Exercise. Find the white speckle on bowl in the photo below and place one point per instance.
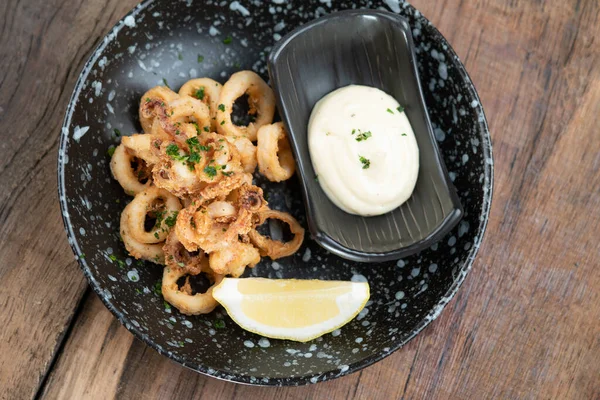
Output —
(193, 73)
(276, 37)
(78, 132)
(133, 275)
(97, 88)
(399, 295)
(308, 355)
(306, 256)
(432, 268)
(452, 241)
(129, 21)
(415, 271)
(358, 278)
(336, 332)
(111, 95)
(400, 263)
(212, 31)
(248, 343)
(264, 343)
(131, 49)
(443, 70)
(236, 6)
(394, 5)
(279, 26)
(82, 231)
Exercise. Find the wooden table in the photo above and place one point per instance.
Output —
(525, 324)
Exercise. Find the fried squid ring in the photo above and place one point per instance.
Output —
(144, 146)
(260, 99)
(157, 203)
(189, 110)
(275, 159)
(139, 250)
(176, 256)
(207, 91)
(247, 152)
(131, 172)
(153, 103)
(275, 248)
(234, 259)
(186, 302)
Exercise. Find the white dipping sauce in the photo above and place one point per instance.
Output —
(363, 150)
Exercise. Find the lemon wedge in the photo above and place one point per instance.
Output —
(299, 310)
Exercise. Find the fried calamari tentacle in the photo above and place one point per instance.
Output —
(139, 250)
(155, 203)
(215, 225)
(275, 248)
(132, 173)
(207, 91)
(176, 256)
(186, 302)
(153, 103)
(260, 98)
(234, 259)
(275, 159)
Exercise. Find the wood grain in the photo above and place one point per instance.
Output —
(525, 324)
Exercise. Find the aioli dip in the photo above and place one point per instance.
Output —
(363, 150)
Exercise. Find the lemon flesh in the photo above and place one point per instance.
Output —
(292, 309)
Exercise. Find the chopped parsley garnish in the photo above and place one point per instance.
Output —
(354, 131)
(228, 40)
(197, 128)
(404, 134)
(181, 264)
(206, 129)
(199, 94)
(200, 58)
(237, 65)
(148, 100)
(365, 162)
(173, 152)
(222, 122)
(400, 109)
(138, 291)
(157, 288)
(327, 133)
(156, 235)
(219, 324)
(180, 343)
(112, 257)
(227, 173)
(390, 111)
(172, 219)
(221, 107)
(363, 136)
(166, 83)
(82, 256)
(111, 151)
(167, 305)
(180, 56)
(117, 132)
(211, 171)
(316, 178)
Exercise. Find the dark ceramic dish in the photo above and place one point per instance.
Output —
(166, 40)
(372, 48)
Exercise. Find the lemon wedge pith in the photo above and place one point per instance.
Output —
(292, 309)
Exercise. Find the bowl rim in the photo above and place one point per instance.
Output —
(453, 216)
(244, 378)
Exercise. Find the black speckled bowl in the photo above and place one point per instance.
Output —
(165, 41)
